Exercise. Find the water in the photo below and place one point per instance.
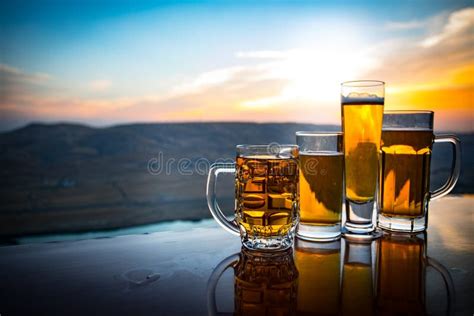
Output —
(135, 230)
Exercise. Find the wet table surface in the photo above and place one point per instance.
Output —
(203, 271)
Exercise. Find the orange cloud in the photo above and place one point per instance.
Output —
(453, 106)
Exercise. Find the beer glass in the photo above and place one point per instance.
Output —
(266, 195)
(265, 283)
(319, 283)
(362, 105)
(407, 141)
(321, 184)
(358, 275)
(402, 270)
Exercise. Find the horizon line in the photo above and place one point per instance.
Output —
(119, 124)
(104, 126)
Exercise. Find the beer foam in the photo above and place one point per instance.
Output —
(266, 157)
(407, 129)
(361, 98)
(320, 153)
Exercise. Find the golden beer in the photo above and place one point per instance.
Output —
(321, 177)
(266, 284)
(319, 282)
(362, 105)
(404, 182)
(362, 126)
(405, 172)
(266, 195)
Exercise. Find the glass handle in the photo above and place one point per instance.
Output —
(217, 168)
(448, 282)
(455, 166)
(228, 262)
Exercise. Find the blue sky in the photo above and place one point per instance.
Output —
(130, 52)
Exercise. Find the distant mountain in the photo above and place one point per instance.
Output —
(66, 177)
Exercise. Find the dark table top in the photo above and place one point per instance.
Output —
(179, 273)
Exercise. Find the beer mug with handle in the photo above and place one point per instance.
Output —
(266, 195)
(407, 141)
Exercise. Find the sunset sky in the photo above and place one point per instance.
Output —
(108, 62)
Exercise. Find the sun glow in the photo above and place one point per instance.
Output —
(312, 73)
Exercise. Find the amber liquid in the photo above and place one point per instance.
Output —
(405, 172)
(401, 279)
(267, 195)
(362, 127)
(321, 177)
(266, 285)
(319, 281)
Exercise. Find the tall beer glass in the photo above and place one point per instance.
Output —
(362, 105)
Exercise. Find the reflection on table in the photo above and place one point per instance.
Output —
(357, 278)
(319, 288)
(349, 277)
(264, 283)
(401, 281)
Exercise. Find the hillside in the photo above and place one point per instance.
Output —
(66, 177)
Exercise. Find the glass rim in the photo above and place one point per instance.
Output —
(408, 120)
(317, 133)
(250, 146)
(363, 83)
(390, 112)
(271, 150)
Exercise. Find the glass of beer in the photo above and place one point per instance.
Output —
(266, 195)
(402, 275)
(362, 105)
(264, 283)
(407, 141)
(321, 184)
